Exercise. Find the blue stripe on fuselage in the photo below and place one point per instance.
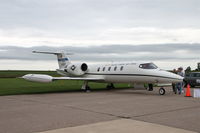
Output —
(63, 59)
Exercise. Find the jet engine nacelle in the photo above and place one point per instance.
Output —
(38, 78)
(77, 69)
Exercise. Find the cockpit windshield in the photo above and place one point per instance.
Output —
(148, 66)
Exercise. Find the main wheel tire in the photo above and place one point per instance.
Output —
(87, 89)
(110, 86)
(162, 91)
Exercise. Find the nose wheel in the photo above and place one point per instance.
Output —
(162, 91)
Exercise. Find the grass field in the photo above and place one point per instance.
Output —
(16, 86)
(17, 73)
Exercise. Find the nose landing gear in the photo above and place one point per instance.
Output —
(162, 91)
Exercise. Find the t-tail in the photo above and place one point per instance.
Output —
(63, 60)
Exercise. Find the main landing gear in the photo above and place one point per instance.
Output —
(110, 86)
(85, 87)
(150, 87)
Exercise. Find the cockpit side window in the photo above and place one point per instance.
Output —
(148, 66)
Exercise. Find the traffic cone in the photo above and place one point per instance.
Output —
(188, 94)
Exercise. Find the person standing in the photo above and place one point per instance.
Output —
(180, 85)
(173, 84)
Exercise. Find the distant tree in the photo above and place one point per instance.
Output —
(198, 66)
(188, 69)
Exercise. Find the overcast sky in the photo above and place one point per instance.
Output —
(163, 31)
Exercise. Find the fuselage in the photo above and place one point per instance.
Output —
(130, 73)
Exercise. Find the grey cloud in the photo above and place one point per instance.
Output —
(87, 22)
(108, 52)
(70, 16)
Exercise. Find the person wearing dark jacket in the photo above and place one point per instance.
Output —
(173, 84)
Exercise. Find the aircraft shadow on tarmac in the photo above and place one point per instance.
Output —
(74, 91)
(134, 92)
(127, 91)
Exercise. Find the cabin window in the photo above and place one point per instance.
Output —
(98, 69)
(104, 69)
(115, 68)
(148, 66)
(109, 68)
(121, 68)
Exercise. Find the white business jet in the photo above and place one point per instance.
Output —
(131, 72)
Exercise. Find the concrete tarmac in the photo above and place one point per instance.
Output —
(44, 112)
(120, 126)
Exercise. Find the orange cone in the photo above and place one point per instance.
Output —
(188, 94)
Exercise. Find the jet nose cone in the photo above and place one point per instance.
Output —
(180, 78)
(177, 78)
(173, 78)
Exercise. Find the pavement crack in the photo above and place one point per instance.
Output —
(72, 107)
(174, 110)
(103, 113)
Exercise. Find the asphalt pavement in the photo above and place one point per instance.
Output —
(55, 111)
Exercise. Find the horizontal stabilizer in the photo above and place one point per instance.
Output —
(55, 53)
(63, 60)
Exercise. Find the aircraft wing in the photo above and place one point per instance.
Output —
(78, 78)
(47, 78)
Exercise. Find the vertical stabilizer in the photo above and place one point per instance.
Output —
(63, 60)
